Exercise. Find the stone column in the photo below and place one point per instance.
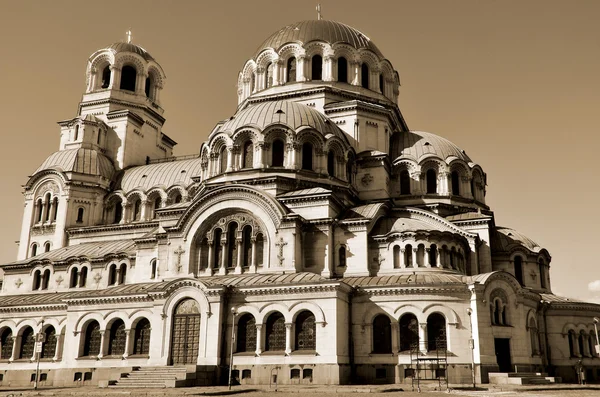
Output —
(259, 341)
(102, 344)
(413, 254)
(402, 261)
(16, 343)
(143, 210)
(438, 258)
(211, 259)
(114, 73)
(276, 73)
(328, 64)
(229, 151)
(300, 68)
(423, 337)
(354, 70)
(238, 265)
(127, 343)
(59, 345)
(426, 257)
(395, 337)
(223, 264)
(259, 151)
(288, 338)
(253, 262)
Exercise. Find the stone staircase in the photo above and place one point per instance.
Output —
(521, 378)
(152, 377)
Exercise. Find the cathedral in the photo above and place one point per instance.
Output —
(314, 238)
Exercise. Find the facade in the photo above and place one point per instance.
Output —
(334, 243)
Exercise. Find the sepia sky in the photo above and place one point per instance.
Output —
(516, 84)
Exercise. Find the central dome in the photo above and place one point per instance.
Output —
(329, 31)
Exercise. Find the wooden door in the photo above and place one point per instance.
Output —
(185, 333)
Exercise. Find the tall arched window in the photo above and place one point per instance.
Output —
(533, 337)
(49, 346)
(118, 212)
(581, 343)
(455, 183)
(247, 246)
(307, 156)
(519, 269)
(571, 339)
(396, 257)
(91, 342)
(342, 69)
(106, 76)
(73, 277)
(409, 332)
(277, 153)
(46, 279)
(436, 332)
(433, 253)
(137, 210)
(431, 181)
(317, 67)
(260, 247)
(246, 334)
(269, 75)
(149, 85)
(382, 334)
(306, 331)
(291, 70)
(76, 136)
(408, 255)
(34, 248)
(47, 247)
(116, 341)
(381, 84)
(27, 343)
(331, 163)
(542, 270)
(364, 75)
(248, 161)
(141, 339)
(39, 207)
(37, 280)
(404, 182)
(156, 206)
(217, 249)
(153, 269)
(6, 344)
(112, 274)
(122, 273)
(223, 160)
(232, 245)
(47, 202)
(79, 215)
(128, 77)
(83, 276)
(275, 333)
(54, 209)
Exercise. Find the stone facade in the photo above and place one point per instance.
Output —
(314, 234)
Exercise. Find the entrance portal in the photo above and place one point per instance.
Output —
(186, 333)
(503, 359)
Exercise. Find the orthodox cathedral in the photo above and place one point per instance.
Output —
(313, 238)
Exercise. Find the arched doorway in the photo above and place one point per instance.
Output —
(185, 333)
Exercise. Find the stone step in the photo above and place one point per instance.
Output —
(139, 385)
(148, 379)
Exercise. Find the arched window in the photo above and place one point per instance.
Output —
(381, 84)
(91, 342)
(533, 337)
(409, 332)
(46, 279)
(307, 156)
(260, 246)
(73, 277)
(218, 249)
(542, 270)
(47, 217)
(317, 67)
(519, 269)
(106, 76)
(404, 182)
(76, 136)
(128, 77)
(591, 347)
(37, 280)
(141, 339)
(350, 170)
(156, 206)
(252, 82)
(331, 163)
(122, 273)
(118, 212)
(571, 343)
(248, 161)
(291, 70)
(137, 210)
(247, 246)
(177, 199)
(455, 183)
(246, 334)
(342, 256)
(436, 332)
(342, 69)
(275, 333)
(149, 86)
(364, 75)
(6, 344)
(34, 248)
(223, 160)
(112, 274)
(396, 255)
(27, 343)
(83, 276)
(382, 334)
(277, 153)
(269, 76)
(306, 331)
(99, 137)
(232, 245)
(153, 269)
(497, 317)
(49, 346)
(47, 247)
(39, 207)
(408, 255)
(431, 182)
(116, 341)
(54, 209)
(433, 253)
(79, 215)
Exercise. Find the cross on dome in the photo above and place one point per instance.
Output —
(319, 16)
(128, 35)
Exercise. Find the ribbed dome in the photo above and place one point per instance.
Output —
(82, 161)
(165, 174)
(504, 239)
(328, 31)
(128, 47)
(292, 114)
(416, 144)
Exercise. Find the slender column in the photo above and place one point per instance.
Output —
(229, 151)
(355, 74)
(238, 266)
(44, 211)
(143, 210)
(395, 337)
(276, 73)
(211, 258)
(58, 349)
(51, 211)
(127, 343)
(328, 63)
(16, 343)
(260, 154)
(259, 341)
(438, 258)
(288, 338)
(253, 261)
(102, 344)
(413, 254)
(300, 68)
(402, 261)
(423, 337)
(114, 73)
(222, 269)
(426, 257)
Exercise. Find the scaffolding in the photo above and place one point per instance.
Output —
(425, 368)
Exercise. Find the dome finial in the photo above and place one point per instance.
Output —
(319, 16)
(128, 35)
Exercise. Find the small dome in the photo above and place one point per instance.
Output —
(292, 114)
(416, 144)
(505, 239)
(82, 161)
(165, 174)
(129, 47)
(328, 31)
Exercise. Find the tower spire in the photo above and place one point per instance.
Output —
(319, 16)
